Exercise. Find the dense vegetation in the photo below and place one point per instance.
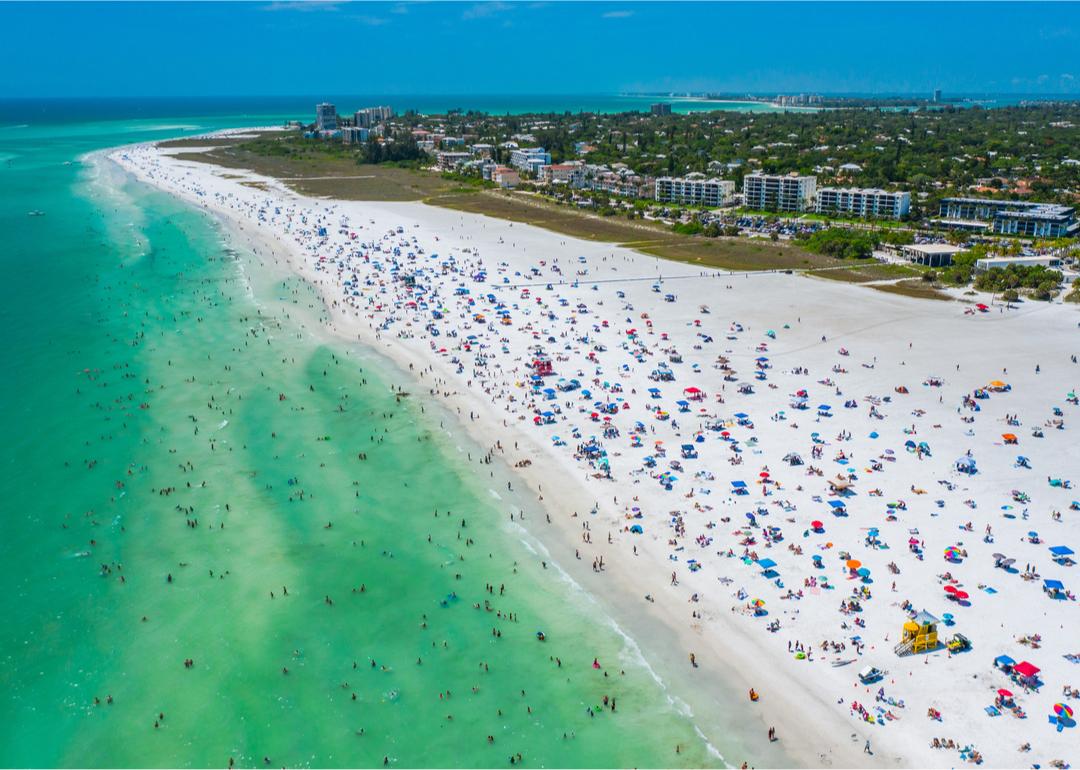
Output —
(1029, 152)
(1041, 281)
(401, 149)
(1006, 151)
(844, 243)
(839, 243)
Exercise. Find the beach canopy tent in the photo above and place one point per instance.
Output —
(838, 507)
(966, 464)
(1004, 662)
(1026, 670)
(1061, 550)
(840, 486)
(766, 564)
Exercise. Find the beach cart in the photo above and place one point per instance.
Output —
(959, 643)
(871, 674)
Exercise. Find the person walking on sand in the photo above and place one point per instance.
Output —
(866, 748)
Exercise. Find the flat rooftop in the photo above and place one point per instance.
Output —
(933, 248)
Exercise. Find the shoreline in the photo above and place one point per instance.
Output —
(623, 606)
(730, 650)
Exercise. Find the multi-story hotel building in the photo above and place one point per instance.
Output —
(774, 192)
(325, 117)
(694, 189)
(1025, 218)
(863, 202)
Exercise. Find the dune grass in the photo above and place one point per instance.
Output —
(916, 288)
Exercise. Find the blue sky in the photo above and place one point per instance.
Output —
(276, 48)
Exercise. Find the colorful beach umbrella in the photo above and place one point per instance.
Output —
(1063, 710)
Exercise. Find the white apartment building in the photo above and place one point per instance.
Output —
(622, 181)
(325, 117)
(372, 116)
(447, 161)
(775, 192)
(694, 189)
(530, 159)
(354, 135)
(863, 202)
(505, 177)
(572, 174)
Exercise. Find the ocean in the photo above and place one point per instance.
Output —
(227, 537)
(154, 114)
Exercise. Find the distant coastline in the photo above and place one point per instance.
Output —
(244, 109)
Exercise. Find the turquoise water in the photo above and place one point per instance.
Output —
(143, 116)
(183, 443)
(91, 113)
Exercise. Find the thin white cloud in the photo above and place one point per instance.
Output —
(617, 15)
(483, 10)
(303, 5)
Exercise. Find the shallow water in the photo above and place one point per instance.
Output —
(147, 353)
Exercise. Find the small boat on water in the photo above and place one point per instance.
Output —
(35, 213)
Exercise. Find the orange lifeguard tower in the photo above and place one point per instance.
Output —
(919, 635)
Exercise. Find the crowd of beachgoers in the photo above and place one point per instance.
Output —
(857, 508)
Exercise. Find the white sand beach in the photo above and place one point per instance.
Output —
(692, 428)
